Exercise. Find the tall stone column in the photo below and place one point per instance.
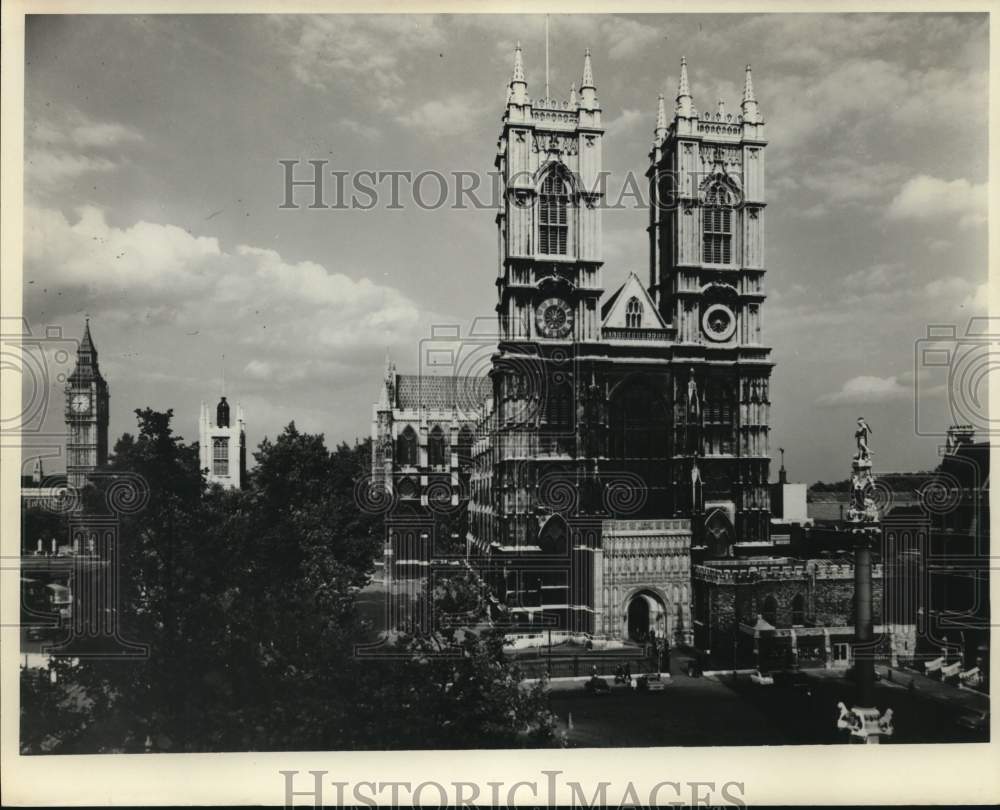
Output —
(864, 660)
(863, 721)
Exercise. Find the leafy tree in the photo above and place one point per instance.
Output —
(247, 602)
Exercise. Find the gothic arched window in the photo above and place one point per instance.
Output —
(559, 405)
(799, 610)
(465, 440)
(406, 448)
(770, 611)
(436, 448)
(553, 221)
(633, 313)
(554, 536)
(717, 226)
(220, 456)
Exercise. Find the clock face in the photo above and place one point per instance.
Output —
(80, 403)
(718, 323)
(554, 318)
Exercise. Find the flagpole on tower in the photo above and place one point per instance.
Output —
(546, 56)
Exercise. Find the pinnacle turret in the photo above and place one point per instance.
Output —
(518, 84)
(588, 91)
(684, 106)
(588, 72)
(749, 107)
(518, 65)
(661, 120)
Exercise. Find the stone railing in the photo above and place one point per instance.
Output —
(720, 127)
(557, 116)
(649, 335)
(627, 527)
(759, 573)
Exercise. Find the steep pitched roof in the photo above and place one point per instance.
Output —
(613, 311)
(87, 368)
(606, 306)
(441, 392)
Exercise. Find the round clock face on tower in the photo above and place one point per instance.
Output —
(718, 323)
(554, 318)
(80, 403)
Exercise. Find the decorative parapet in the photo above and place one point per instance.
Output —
(749, 573)
(637, 335)
(553, 104)
(613, 528)
(566, 117)
(721, 127)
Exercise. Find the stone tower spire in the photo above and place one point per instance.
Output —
(751, 112)
(684, 107)
(86, 358)
(661, 120)
(588, 91)
(518, 84)
(87, 351)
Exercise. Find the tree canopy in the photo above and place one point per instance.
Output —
(247, 601)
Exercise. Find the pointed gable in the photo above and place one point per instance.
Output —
(631, 308)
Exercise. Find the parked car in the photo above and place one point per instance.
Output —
(977, 721)
(651, 682)
(597, 686)
(761, 678)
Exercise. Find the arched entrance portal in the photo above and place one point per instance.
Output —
(645, 615)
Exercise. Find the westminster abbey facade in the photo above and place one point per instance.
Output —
(618, 432)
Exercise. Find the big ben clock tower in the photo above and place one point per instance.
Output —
(86, 415)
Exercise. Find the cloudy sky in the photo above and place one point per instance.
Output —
(153, 189)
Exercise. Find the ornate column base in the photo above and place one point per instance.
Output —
(865, 725)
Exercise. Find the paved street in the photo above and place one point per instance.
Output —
(723, 710)
(690, 711)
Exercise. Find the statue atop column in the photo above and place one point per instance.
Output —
(863, 721)
(863, 508)
(862, 436)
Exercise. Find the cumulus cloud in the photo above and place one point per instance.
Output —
(360, 128)
(626, 37)
(451, 116)
(865, 390)
(323, 51)
(924, 198)
(956, 290)
(47, 169)
(61, 149)
(151, 271)
(77, 130)
(370, 50)
(628, 121)
(880, 276)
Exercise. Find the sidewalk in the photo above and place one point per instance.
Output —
(575, 683)
(944, 692)
(926, 687)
